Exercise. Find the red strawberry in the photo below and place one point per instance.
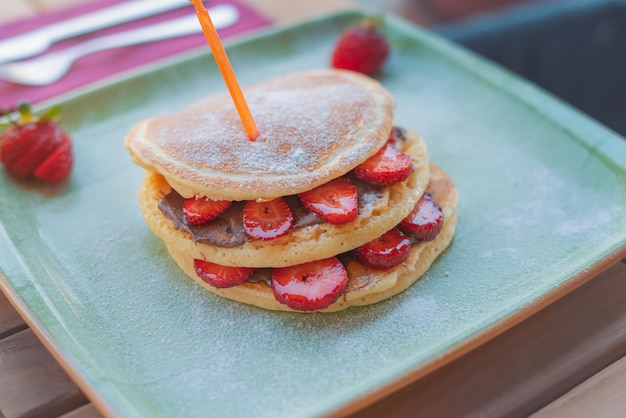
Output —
(221, 276)
(387, 166)
(58, 165)
(267, 220)
(31, 141)
(31, 144)
(336, 201)
(310, 286)
(425, 221)
(361, 47)
(199, 211)
(386, 251)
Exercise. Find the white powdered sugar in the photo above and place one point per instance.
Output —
(306, 123)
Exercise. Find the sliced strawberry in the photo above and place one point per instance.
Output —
(388, 166)
(221, 276)
(38, 140)
(16, 142)
(199, 211)
(16, 138)
(425, 221)
(58, 165)
(310, 286)
(336, 201)
(386, 251)
(267, 220)
(33, 141)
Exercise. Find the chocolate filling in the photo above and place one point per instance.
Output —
(227, 230)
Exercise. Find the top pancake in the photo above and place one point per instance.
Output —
(314, 126)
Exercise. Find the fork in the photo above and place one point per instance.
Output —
(53, 66)
(37, 41)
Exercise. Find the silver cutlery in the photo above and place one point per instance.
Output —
(51, 67)
(37, 41)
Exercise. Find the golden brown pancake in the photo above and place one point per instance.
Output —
(366, 285)
(314, 126)
(302, 244)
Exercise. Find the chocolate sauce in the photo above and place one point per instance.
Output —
(227, 230)
(398, 134)
(262, 275)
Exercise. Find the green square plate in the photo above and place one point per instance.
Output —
(543, 198)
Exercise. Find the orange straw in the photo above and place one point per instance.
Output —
(223, 63)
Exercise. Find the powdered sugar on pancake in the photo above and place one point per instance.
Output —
(314, 126)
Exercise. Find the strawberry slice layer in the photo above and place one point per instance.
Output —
(58, 165)
(425, 220)
(221, 276)
(388, 166)
(336, 201)
(386, 251)
(267, 220)
(310, 286)
(200, 211)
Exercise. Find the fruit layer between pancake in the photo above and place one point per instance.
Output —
(365, 285)
(382, 209)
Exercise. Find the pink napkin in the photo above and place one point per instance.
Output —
(103, 64)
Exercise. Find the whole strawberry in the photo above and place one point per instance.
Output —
(36, 146)
(362, 47)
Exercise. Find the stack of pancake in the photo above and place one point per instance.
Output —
(317, 128)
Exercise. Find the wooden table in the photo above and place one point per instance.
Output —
(566, 360)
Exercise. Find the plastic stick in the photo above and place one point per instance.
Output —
(226, 69)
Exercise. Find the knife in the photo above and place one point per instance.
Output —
(34, 42)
